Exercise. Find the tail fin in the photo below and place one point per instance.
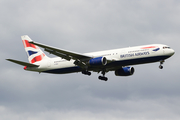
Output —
(34, 52)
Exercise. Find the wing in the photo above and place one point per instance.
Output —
(22, 63)
(65, 54)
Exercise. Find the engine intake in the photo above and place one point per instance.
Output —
(125, 71)
(98, 61)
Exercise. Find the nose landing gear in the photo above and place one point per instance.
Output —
(160, 66)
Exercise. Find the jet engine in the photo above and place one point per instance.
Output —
(98, 61)
(125, 71)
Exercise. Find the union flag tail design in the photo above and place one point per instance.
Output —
(34, 52)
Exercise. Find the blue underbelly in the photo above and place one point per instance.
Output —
(110, 65)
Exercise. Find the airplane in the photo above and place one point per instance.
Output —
(117, 60)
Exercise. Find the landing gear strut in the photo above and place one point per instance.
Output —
(161, 62)
(103, 77)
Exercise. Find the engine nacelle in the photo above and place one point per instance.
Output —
(98, 61)
(125, 71)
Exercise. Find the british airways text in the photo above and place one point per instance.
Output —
(134, 54)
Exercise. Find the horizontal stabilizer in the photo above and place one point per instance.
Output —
(22, 63)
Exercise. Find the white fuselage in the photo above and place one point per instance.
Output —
(117, 58)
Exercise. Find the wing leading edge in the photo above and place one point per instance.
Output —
(65, 54)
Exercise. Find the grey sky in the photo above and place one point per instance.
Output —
(88, 26)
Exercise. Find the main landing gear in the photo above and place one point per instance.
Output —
(103, 77)
(160, 66)
(86, 72)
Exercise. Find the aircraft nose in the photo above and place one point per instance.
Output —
(172, 52)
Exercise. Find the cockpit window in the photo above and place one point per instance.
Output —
(166, 47)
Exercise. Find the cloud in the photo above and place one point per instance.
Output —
(128, 109)
(88, 26)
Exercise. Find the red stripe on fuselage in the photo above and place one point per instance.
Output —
(148, 47)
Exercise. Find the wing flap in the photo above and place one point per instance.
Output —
(22, 63)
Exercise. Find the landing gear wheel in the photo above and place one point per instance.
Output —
(103, 78)
(161, 67)
(86, 73)
(103, 72)
(161, 62)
